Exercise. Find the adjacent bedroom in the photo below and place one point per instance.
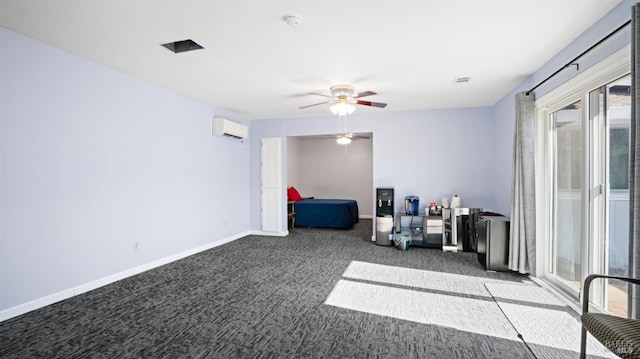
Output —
(334, 181)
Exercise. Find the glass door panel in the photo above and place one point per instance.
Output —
(613, 258)
(566, 244)
(609, 114)
(597, 233)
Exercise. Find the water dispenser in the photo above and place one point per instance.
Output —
(384, 216)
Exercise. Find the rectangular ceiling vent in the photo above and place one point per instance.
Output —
(183, 46)
(461, 80)
(226, 128)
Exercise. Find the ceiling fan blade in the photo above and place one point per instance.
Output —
(373, 104)
(319, 94)
(352, 136)
(315, 104)
(365, 93)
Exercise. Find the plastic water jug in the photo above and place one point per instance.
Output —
(412, 205)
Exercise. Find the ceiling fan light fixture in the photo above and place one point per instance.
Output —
(343, 140)
(342, 109)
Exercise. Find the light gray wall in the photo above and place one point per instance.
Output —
(326, 169)
(293, 160)
(431, 154)
(504, 111)
(93, 162)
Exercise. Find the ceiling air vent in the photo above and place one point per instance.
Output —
(182, 46)
(461, 80)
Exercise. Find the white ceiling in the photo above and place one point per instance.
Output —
(257, 66)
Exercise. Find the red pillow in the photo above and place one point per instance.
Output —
(293, 194)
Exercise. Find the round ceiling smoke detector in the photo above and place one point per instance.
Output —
(293, 20)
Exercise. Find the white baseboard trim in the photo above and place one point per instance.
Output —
(571, 304)
(271, 234)
(366, 216)
(83, 288)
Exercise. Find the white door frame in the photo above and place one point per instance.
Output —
(271, 192)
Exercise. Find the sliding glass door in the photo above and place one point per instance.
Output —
(610, 111)
(589, 201)
(566, 240)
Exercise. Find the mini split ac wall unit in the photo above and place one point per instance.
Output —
(226, 128)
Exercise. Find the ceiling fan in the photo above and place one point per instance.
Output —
(345, 138)
(342, 97)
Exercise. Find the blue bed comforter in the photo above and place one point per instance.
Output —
(329, 213)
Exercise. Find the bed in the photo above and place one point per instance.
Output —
(326, 213)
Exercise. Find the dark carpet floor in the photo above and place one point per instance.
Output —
(256, 297)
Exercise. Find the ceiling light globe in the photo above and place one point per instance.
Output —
(343, 140)
(349, 108)
(342, 109)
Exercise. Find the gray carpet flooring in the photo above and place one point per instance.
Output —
(272, 297)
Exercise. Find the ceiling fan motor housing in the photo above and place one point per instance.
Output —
(342, 90)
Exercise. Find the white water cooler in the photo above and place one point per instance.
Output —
(384, 216)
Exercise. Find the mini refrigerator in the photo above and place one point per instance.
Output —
(493, 242)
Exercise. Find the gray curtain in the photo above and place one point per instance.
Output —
(634, 168)
(522, 239)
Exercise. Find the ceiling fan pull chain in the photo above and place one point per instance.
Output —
(345, 123)
(340, 128)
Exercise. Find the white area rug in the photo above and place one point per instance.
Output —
(418, 278)
(549, 327)
(455, 301)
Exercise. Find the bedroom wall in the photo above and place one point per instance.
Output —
(102, 174)
(431, 153)
(293, 160)
(329, 170)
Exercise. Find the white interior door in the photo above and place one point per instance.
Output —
(271, 184)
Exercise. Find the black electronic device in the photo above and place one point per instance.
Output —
(384, 201)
